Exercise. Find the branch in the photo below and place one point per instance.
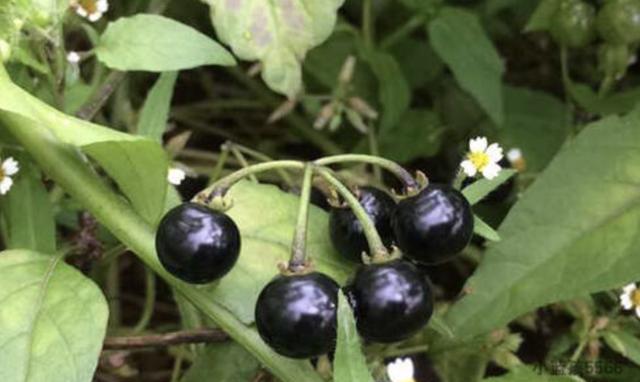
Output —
(167, 339)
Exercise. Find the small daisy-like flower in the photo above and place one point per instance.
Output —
(401, 370)
(73, 57)
(482, 158)
(630, 298)
(8, 168)
(514, 156)
(91, 10)
(176, 176)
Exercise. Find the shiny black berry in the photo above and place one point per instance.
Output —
(434, 225)
(391, 301)
(346, 231)
(296, 315)
(197, 244)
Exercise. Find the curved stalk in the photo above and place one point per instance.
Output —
(299, 245)
(379, 252)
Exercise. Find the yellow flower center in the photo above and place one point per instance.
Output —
(2, 174)
(479, 159)
(635, 297)
(91, 6)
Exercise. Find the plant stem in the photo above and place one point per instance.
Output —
(222, 159)
(149, 301)
(262, 157)
(374, 150)
(299, 245)
(409, 182)
(205, 335)
(67, 168)
(243, 161)
(368, 23)
(221, 187)
(177, 368)
(406, 29)
(377, 249)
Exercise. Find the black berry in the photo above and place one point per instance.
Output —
(391, 301)
(296, 315)
(346, 231)
(197, 244)
(434, 225)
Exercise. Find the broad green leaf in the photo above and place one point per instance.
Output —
(138, 165)
(27, 211)
(462, 364)
(155, 112)
(418, 61)
(618, 103)
(459, 39)
(157, 44)
(224, 362)
(53, 320)
(541, 18)
(624, 343)
(529, 374)
(536, 123)
(477, 190)
(440, 326)
(580, 217)
(266, 217)
(483, 229)
(277, 33)
(350, 364)
(394, 93)
(417, 134)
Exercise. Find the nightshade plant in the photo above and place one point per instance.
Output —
(133, 249)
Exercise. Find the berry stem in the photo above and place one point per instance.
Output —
(378, 251)
(409, 182)
(257, 155)
(299, 245)
(223, 185)
(222, 160)
(242, 160)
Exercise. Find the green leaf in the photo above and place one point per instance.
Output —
(477, 190)
(528, 374)
(350, 364)
(483, 229)
(277, 33)
(266, 241)
(155, 112)
(418, 134)
(418, 61)
(138, 165)
(27, 211)
(459, 39)
(440, 326)
(624, 343)
(462, 364)
(225, 362)
(536, 123)
(53, 320)
(618, 103)
(394, 93)
(574, 231)
(157, 44)
(541, 18)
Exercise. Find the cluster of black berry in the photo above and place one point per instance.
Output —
(296, 312)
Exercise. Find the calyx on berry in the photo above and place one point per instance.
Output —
(391, 301)
(197, 244)
(346, 231)
(433, 225)
(296, 314)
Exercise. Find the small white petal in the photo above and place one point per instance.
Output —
(469, 168)
(73, 57)
(102, 6)
(479, 144)
(400, 370)
(81, 11)
(5, 185)
(625, 301)
(638, 311)
(491, 170)
(95, 16)
(176, 176)
(629, 288)
(494, 151)
(514, 155)
(10, 166)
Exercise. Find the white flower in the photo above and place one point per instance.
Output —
(176, 176)
(515, 157)
(8, 168)
(630, 298)
(482, 158)
(90, 9)
(401, 370)
(73, 57)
